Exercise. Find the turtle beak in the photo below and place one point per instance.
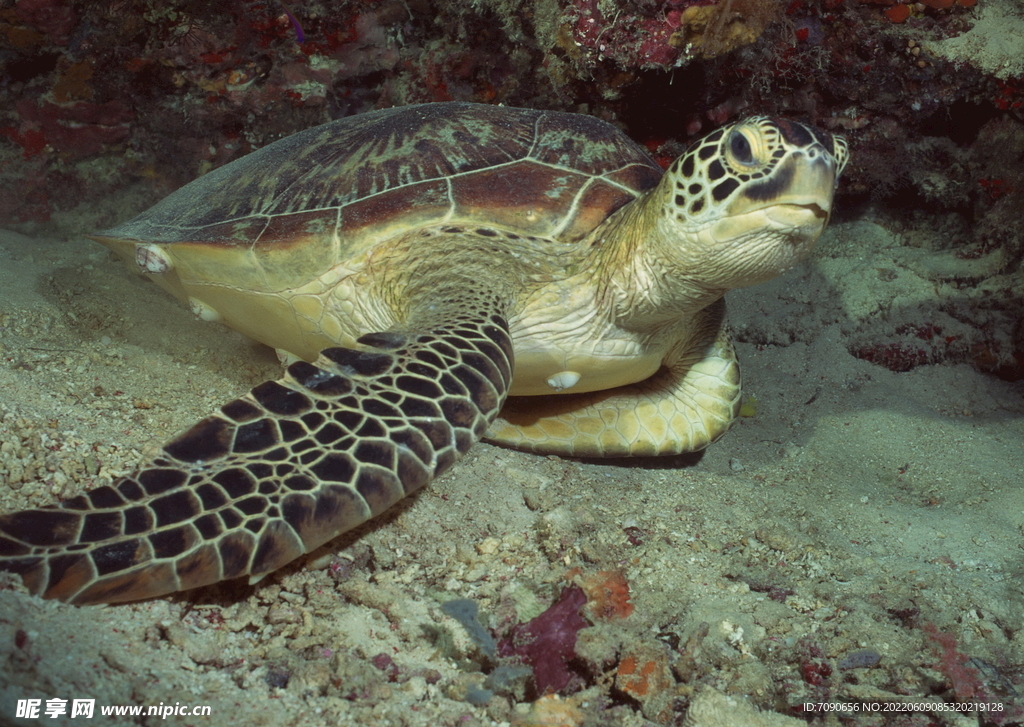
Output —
(807, 179)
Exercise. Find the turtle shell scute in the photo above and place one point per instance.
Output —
(364, 178)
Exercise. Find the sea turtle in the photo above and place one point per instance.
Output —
(429, 261)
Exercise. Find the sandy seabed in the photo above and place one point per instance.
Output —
(820, 541)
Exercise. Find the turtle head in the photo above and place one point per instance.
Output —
(749, 200)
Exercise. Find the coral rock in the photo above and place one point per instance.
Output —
(547, 643)
(644, 674)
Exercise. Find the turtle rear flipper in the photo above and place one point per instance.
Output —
(688, 404)
(281, 470)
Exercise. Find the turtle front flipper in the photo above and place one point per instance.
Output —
(688, 404)
(279, 471)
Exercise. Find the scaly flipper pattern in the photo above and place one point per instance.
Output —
(277, 472)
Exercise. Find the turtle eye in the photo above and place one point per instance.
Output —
(740, 149)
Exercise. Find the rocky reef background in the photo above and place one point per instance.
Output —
(106, 107)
